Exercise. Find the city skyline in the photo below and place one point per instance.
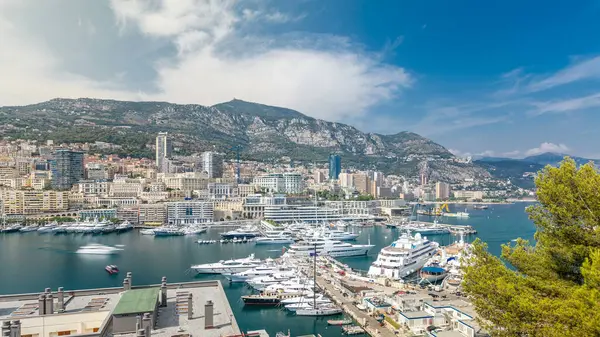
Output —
(454, 73)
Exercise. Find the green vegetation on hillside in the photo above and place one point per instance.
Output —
(554, 288)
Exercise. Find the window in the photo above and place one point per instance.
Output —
(96, 329)
(64, 333)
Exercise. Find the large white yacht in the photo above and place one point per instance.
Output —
(331, 248)
(242, 232)
(269, 268)
(403, 257)
(229, 266)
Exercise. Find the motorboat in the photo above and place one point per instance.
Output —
(333, 248)
(123, 227)
(111, 269)
(98, 249)
(228, 266)
(427, 229)
(308, 298)
(305, 305)
(403, 257)
(60, 229)
(432, 273)
(269, 299)
(147, 232)
(274, 240)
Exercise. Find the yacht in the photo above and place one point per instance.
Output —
(427, 229)
(148, 231)
(168, 231)
(242, 232)
(293, 285)
(331, 248)
(60, 229)
(403, 257)
(306, 299)
(124, 227)
(331, 234)
(26, 229)
(323, 309)
(261, 283)
(308, 304)
(263, 270)
(47, 228)
(228, 266)
(11, 229)
(194, 230)
(274, 240)
(98, 249)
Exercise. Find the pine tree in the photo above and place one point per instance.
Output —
(550, 288)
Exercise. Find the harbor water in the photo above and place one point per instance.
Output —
(31, 262)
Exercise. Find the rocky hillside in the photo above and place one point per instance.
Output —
(264, 133)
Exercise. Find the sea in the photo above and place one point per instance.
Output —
(31, 262)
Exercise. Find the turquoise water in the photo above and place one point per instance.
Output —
(31, 262)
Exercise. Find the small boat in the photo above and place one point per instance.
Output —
(480, 207)
(339, 321)
(123, 227)
(353, 330)
(111, 269)
(147, 232)
(97, 249)
(11, 229)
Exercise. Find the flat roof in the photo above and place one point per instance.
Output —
(415, 314)
(136, 301)
(449, 333)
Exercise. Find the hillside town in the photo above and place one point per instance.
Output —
(52, 181)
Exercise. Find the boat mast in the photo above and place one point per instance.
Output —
(315, 279)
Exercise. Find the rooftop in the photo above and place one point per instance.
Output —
(137, 301)
(449, 333)
(415, 314)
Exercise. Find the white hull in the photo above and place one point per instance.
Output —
(342, 253)
(272, 241)
(318, 312)
(398, 272)
(221, 270)
(97, 252)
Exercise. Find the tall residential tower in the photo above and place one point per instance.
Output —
(67, 169)
(163, 151)
(335, 166)
(212, 164)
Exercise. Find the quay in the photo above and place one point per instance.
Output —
(408, 309)
(163, 310)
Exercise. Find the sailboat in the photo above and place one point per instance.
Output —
(321, 309)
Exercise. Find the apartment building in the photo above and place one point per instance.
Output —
(189, 212)
(33, 201)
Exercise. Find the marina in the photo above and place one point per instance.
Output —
(54, 256)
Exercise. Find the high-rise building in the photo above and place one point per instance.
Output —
(67, 169)
(442, 191)
(335, 166)
(346, 180)
(362, 183)
(163, 151)
(212, 164)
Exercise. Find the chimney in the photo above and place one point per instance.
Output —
(164, 279)
(5, 327)
(147, 324)
(141, 333)
(138, 322)
(190, 311)
(61, 299)
(126, 285)
(49, 304)
(42, 304)
(15, 328)
(208, 315)
(7, 333)
(163, 294)
(48, 291)
(129, 274)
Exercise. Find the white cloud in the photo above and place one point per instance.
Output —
(587, 69)
(547, 147)
(511, 154)
(200, 59)
(567, 105)
(329, 84)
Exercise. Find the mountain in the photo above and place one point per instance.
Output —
(263, 132)
(551, 158)
(519, 172)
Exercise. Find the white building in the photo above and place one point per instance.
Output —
(292, 213)
(291, 183)
(346, 180)
(220, 190)
(254, 205)
(124, 189)
(163, 151)
(212, 164)
(471, 195)
(93, 187)
(189, 212)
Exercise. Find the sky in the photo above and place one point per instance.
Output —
(483, 78)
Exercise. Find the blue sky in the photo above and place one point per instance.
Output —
(502, 78)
